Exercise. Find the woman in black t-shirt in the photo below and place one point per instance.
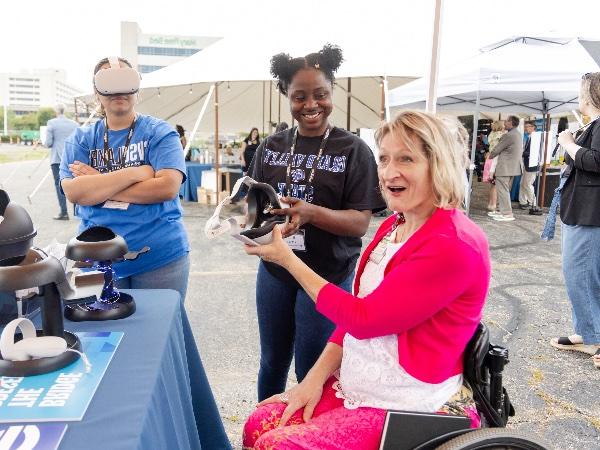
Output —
(249, 146)
(329, 179)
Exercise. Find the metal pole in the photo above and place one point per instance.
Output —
(263, 108)
(382, 111)
(543, 183)
(386, 96)
(278, 106)
(270, 106)
(435, 58)
(217, 173)
(349, 105)
(473, 146)
(199, 119)
(75, 108)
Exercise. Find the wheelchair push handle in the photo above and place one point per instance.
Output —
(498, 358)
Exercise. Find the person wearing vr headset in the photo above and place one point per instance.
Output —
(328, 177)
(124, 172)
(418, 298)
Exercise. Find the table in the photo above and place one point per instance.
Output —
(189, 188)
(155, 394)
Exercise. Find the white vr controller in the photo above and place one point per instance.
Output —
(31, 346)
(256, 228)
(117, 80)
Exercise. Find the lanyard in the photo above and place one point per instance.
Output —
(127, 141)
(288, 176)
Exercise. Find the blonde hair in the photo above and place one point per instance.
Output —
(444, 146)
(590, 88)
(498, 125)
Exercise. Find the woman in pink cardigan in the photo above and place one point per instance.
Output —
(418, 296)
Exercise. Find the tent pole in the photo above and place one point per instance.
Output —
(473, 146)
(435, 58)
(270, 106)
(263, 108)
(198, 120)
(349, 105)
(543, 183)
(386, 92)
(278, 106)
(217, 174)
(382, 110)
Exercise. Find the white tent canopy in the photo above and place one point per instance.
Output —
(241, 64)
(515, 75)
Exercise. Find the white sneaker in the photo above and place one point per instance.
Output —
(494, 213)
(503, 218)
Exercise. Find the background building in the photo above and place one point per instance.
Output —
(26, 91)
(150, 52)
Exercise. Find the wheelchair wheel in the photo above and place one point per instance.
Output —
(495, 439)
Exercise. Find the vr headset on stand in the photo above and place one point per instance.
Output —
(117, 80)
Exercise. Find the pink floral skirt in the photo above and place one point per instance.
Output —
(333, 426)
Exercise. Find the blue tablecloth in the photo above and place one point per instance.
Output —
(155, 394)
(188, 190)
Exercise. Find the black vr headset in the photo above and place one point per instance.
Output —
(256, 228)
(117, 80)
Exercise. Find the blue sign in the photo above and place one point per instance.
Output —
(63, 395)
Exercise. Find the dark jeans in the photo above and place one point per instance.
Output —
(62, 201)
(289, 325)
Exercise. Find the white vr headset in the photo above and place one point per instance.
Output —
(117, 80)
(256, 228)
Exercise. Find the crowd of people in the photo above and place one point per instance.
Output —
(385, 330)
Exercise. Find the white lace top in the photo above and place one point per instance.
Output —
(370, 374)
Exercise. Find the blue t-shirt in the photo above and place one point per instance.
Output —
(157, 225)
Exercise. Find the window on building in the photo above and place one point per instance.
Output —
(167, 51)
(147, 69)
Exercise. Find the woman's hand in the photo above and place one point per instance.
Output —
(565, 138)
(276, 252)
(300, 212)
(304, 395)
(79, 169)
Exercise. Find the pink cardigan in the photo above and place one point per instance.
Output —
(432, 296)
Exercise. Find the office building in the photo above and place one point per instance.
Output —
(150, 52)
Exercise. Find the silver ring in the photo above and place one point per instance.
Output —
(283, 398)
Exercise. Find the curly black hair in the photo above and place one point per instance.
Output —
(284, 67)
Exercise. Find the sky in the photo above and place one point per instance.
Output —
(73, 35)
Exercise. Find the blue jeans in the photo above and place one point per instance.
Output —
(581, 269)
(289, 325)
(172, 276)
(62, 201)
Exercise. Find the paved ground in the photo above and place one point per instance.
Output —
(554, 392)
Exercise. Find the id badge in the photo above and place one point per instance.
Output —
(378, 252)
(296, 241)
(112, 204)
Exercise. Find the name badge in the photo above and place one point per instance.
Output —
(112, 204)
(296, 241)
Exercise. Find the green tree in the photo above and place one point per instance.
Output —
(44, 115)
(26, 122)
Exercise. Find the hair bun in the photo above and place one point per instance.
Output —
(280, 64)
(330, 57)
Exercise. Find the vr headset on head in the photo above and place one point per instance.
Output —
(256, 228)
(117, 80)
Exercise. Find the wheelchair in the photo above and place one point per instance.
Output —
(483, 367)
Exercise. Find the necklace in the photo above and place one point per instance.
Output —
(378, 253)
(288, 174)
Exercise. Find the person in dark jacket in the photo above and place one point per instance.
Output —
(580, 217)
